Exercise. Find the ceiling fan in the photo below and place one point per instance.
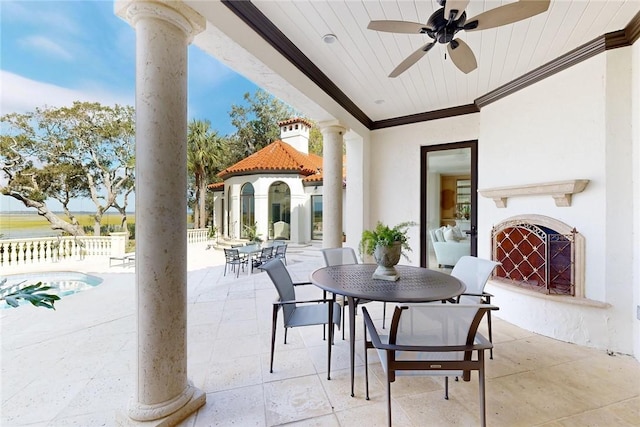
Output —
(445, 22)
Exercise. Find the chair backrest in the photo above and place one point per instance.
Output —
(281, 250)
(266, 252)
(435, 325)
(339, 256)
(474, 273)
(284, 285)
(231, 254)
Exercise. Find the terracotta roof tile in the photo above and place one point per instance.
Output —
(295, 120)
(275, 157)
(216, 186)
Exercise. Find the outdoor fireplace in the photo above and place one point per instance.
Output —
(539, 253)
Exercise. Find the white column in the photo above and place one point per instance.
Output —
(332, 143)
(163, 393)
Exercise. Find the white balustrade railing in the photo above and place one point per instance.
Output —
(39, 250)
(197, 235)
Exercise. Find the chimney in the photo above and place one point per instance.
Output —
(295, 132)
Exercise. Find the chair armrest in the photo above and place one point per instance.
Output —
(375, 338)
(302, 283)
(300, 301)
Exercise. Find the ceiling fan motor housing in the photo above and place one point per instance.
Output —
(440, 29)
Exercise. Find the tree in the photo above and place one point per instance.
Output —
(257, 123)
(315, 140)
(67, 152)
(205, 151)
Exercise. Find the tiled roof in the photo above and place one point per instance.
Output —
(295, 120)
(276, 157)
(216, 186)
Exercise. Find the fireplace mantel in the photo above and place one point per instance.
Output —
(561, 191)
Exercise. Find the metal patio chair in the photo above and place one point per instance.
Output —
(430, 339)
(474, 273)
(341, 256)
(298, 312)
(234, 261)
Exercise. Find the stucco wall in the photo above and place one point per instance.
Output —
(395, 169)
(573, 125)
(635, 123)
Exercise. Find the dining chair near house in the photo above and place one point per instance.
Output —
(474, 273)
(281, 252)
(430, 339)
(341, 256)
(233, 261)
(298, 312)
(263, 256)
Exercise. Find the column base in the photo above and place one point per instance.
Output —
(198, 399)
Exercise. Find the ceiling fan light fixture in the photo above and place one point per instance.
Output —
(329, 38)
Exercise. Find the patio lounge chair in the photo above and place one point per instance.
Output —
(298, 312)
(127, 258)
(430, 339)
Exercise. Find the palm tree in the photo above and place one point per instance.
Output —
(204, 149)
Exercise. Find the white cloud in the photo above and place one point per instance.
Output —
(20, 94)
(47, 46)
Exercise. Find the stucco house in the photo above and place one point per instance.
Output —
(278, 190)
(549, 123)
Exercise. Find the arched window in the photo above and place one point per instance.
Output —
(280, 210)
(247, 209)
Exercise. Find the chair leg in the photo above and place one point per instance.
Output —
(344, 305)
(366, 364)
(273, 335)
(285, 335)
(384, 313)
(388, 398)
(446, 388)
(490, 334)
(483, 411)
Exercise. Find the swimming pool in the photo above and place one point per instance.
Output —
(63, 283)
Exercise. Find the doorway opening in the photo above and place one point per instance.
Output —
(448, 199)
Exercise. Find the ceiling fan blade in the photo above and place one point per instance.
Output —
(459, 5)
(508, 14)
(462, 56)
(404, 27)
(411, 59)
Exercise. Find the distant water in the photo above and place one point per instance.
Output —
(21, 225)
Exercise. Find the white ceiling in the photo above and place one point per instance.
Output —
(360, 60)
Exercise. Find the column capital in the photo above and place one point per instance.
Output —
(333, 126)
(176, 13)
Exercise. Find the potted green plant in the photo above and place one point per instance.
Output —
(386, 244)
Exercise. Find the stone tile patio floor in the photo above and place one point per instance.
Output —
(76, 366)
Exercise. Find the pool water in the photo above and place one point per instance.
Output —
(63, 283)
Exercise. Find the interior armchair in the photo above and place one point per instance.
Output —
(298, 312)
(430, 339)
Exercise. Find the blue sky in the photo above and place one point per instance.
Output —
(57, 52)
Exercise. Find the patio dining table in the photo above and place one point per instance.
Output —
(355, 282)
(253, 249)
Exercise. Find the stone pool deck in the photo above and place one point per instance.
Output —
(76, 366)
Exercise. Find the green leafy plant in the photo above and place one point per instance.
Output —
(252, 232)
(383, 235)
(35, 294)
